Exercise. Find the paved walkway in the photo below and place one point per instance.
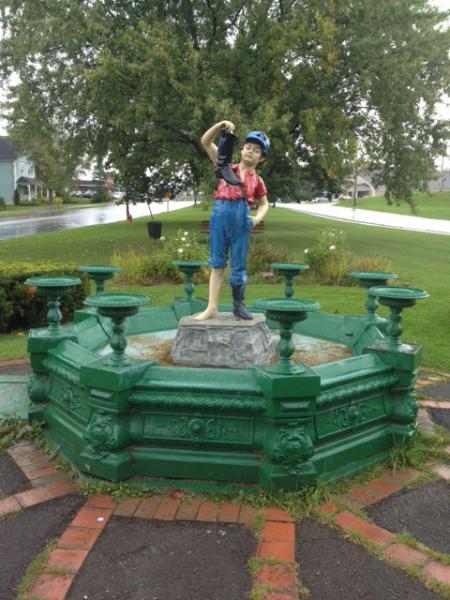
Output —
(371, 217)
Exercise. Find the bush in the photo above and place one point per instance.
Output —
(21, 308)
(329, 261)
(374, 263)
(101, 195)
(2, 203)
(16, 198)
(58, 201)
(261, 256)
(152, 265)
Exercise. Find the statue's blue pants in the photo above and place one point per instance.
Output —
(229, 234)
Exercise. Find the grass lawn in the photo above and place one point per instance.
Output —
(420, 259)
(433, 206)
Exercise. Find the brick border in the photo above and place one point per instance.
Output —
(47, 482)
(276, 541)
(434, 404)
(360, 497)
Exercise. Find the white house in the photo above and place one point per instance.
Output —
(17, 172)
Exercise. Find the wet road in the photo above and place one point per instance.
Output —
(372, 217)
(26, 226)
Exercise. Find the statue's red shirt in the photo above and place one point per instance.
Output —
(254, 187)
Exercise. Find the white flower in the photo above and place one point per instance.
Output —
(333, 247)
(186, 233)
(180, 250)
(187, 245)
(306, 250)
(183, 239)
(162, 238)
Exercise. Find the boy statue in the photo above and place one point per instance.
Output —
(239, 189)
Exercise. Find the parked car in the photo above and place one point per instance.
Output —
(344, 197)
(320, 199)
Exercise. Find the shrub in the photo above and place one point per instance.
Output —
(374, 263)
(101, 195)
(261, 256)
(152, 264)
(16, 198)
(2, 203)
(21, 308)
(329, 260)
(58, 201)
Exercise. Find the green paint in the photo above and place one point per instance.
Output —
(276, 427)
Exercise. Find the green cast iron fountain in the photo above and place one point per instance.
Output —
(274, 426)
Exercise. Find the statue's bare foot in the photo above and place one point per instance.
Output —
(209, 313)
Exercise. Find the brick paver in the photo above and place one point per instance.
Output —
(127, 508)
(147, 507)
(280, 576)
(101, 501)
(167, 510)
(438, 572)
(277, 550)
(372, 533)
(405, 555)
(9, 505)
(50, 587)
(91, 517)
(77, 538)
(208, 512)
(278, 531)
(188, 510)
(443, 471)
(62, 558)
(229, 513)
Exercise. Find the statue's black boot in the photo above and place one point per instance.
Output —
(224, 158)
(239, 310)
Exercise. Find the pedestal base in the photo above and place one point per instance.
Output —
(222, 342)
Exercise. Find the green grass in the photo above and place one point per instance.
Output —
(420, 259)
(432, 205)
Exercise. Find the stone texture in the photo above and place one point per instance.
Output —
(222, 342)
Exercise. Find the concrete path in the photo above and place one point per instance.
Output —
(371, 217)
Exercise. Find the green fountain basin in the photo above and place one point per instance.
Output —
(132, 418)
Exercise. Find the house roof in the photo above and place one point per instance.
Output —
(27, 180)
(8, 150)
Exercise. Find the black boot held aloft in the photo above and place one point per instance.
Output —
(239, 310)
(224, 158)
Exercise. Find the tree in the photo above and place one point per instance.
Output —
(136, 83)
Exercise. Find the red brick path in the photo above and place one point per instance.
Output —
(276, 538)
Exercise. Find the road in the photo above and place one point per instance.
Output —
(32, 225)
(371, 217)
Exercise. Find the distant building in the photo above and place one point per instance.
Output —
(89, 185)
(441, 184)
(364, 186)
(17, 171)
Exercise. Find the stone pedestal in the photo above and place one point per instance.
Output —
(222, 342)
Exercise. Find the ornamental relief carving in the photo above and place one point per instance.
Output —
(100, 433)
(195, 428)
(350, 415)
(292, 448)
